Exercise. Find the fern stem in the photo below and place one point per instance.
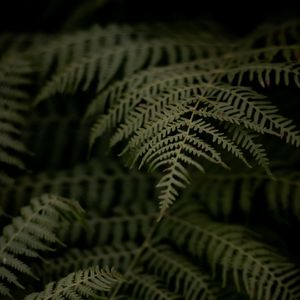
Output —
(145, 245)
(28, 221)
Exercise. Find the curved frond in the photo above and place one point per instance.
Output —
(184, 114)
(130, 225)
(223, 193)
(117, 255)
(31, 233)
(179, 272)
(98, 186)
(79, 285)
(252, 266)
(148, 287)
(135, 50)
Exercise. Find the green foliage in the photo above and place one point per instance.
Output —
(182, 114)
(14, 73)
(29, 233)
(174, 99)
(252, 266)
(79, 285)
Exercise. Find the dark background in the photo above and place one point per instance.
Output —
(51, 15)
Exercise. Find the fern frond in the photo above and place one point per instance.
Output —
(282, 34)
(79, 285)
(31, 233)
(174, 116)
(14, 78)
(67, 48)
(224, 192)
(118, 255)
(252, 266)
(264, 73)
(179, 272)
(132, 55)
(148, 287)
(130, 225)
(95, 184)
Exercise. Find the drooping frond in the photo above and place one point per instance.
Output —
(148, 287)
(14, 78)
(129, 225)
(223, 193)
(178, 272)
(236, 257)
(31, 233)
(119, 256)
(100, 54)
(97, 185)
(79, 285)
(184, 114)
(283, 34)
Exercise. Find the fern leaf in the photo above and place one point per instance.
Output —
(129, 225)
(250, 265)
(94, 184)
(147, 287)
(79, 285)
(223, 193)
(103, 63)
(117, 255)
(31, 233)
(179, 272)
(285, 33)
(14, 74)
(166, 119)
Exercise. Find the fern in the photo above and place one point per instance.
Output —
(222, 193)
(148, 287)
(14, 73)
(29, 234)
(97, 185)
(103, 60)
(252, 266)
(79, 285)
(131, 224)
(177, 270)
(176, 99)
(174, 116)
(119, 256)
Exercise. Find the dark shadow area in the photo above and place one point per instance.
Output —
(51, 15)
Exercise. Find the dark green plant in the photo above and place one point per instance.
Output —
(200, 113)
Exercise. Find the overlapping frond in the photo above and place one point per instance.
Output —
(182, 275)
(97, 185)
(182, 100)
(236, 256)
(187, 113)
(224, 193)
(131, 225)
(149, 287)
(30, 233)
(75, 259)
(79, 285)
(99, 57)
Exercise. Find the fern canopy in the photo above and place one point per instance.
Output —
(186, 114)
(201, 111)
